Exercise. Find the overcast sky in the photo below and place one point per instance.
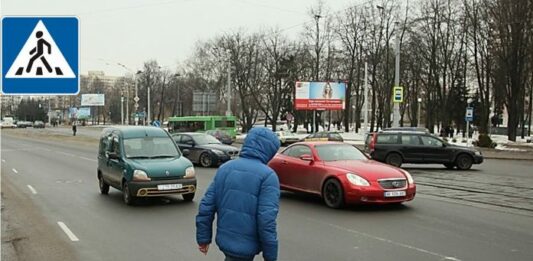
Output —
(133, 31)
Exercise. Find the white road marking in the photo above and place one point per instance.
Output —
(86, 158)
(3, 160)
(442, 257)
(32, 189)
(14, 170)
(67, 231)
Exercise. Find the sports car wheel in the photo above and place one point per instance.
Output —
(333, 194)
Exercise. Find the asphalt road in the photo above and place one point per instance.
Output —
(437, 225)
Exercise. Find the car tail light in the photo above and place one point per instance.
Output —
(372, 144)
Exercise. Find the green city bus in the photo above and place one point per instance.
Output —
(203, 124)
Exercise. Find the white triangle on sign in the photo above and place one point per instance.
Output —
(55, 59)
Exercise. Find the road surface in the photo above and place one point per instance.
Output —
(52, 182)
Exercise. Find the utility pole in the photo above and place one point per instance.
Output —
(121, 109)
(396, 115)
(366, 98)
(136, 99)
(49, 111)
(128, 104)
(317, 64)
(418, 114)
(228, 90)
(148, 118)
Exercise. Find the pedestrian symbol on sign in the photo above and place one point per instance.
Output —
(23, 66)
(40, 55)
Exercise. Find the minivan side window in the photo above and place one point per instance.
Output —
(387, 139)
(104, 144)
(115, 147)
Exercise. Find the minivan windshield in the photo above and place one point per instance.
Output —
(150, 148)
(334, 152)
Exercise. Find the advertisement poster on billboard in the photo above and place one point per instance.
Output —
(84, 113)
(320, 95)
(73, 113)
(92, 99)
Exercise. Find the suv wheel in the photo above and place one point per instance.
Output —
(104, 187)
(464, 162)
(394, 159)
(126, 195)
(333, 194)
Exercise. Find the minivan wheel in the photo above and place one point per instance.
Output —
(464, 162)
(188, 197)
(126, 195)
(104, 187)
(449, 165)
(205, 160)
(394, 159)
(333, 194)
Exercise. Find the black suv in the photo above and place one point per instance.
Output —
(397, 147)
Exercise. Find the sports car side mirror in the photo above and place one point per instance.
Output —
(186, 152)
(306, 157)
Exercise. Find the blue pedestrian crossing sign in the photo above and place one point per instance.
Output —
(40, 56)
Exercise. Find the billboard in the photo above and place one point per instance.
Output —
(92, 100)
(320, 95)
(73, 113)
(84, 113)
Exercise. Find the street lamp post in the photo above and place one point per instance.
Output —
(396, 115)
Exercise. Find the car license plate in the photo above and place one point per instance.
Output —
(169, 186)
(389, 194)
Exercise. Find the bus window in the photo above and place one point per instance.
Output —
(224, 124)
(187, 126)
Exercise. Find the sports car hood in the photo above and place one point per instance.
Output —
(368, 169)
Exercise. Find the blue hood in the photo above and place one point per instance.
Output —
(261, 144)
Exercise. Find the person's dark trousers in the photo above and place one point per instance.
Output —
(232, 258)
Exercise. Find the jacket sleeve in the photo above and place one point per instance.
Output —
(267, 213)
(206, 214)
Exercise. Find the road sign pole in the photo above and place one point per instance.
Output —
(136, 99)
(366, 98)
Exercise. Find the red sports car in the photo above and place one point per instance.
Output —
(341, 174)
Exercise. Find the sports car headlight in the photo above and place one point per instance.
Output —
(409, 177)
(140, 175)
(218, 152)
(357, 180)
(189, 173)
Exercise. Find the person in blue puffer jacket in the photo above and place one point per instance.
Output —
(245, 196)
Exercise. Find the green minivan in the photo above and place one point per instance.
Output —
(143, 162)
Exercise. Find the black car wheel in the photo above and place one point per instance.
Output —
(188, 197)
(394, 159)
(449, 165)
(333, 194)
(205, 160)
(126, 195)
(104, 187)
(464, 162)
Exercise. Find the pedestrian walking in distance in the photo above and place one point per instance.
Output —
(244, 195)
(74, 129)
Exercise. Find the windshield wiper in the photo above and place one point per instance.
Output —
(162, 156)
